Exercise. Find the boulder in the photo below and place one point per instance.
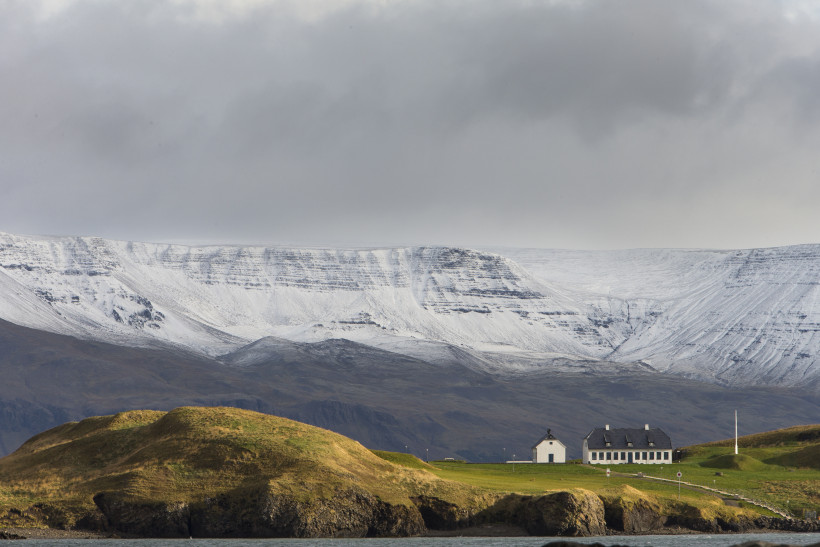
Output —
(574, 513)
(633, 516)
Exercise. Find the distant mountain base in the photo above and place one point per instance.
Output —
(382, 399)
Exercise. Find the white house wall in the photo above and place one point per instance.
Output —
(541, 452)
(615, 457)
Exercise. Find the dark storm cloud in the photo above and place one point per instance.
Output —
(589, 123)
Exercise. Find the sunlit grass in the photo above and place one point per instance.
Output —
(192, 453)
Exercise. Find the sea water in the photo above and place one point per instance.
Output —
(689, 540)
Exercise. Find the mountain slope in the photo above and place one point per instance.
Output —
(732, 317)
(739, 317)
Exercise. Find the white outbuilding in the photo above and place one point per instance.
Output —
(549, 450)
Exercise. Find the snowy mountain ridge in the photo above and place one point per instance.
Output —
(747, 317)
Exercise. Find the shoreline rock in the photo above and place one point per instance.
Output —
(259, 512)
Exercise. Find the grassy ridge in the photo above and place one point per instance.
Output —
(190, 453)
(796, 436)
(781, 467)
(405, 460)
(741, 462)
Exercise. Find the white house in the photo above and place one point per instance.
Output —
(615, 446)
(549, 450)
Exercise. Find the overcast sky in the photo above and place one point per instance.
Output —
(569, 124)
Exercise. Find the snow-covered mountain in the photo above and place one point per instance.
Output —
(736, 317)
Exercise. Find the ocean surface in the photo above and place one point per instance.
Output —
(723, 540)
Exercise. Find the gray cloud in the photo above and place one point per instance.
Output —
(571, 124)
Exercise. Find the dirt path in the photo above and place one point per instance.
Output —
(727, 497)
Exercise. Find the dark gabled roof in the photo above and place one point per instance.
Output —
(547, 437)
(618, 438)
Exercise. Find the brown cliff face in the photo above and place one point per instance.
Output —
(349, 513)
(633, 514)
(260, 513)
(577, 513)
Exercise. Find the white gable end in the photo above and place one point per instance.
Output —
(549, 451)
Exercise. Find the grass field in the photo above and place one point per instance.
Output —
(189, 453)
(540, 478)
(780, 468)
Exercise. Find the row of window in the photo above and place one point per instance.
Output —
(638, 456)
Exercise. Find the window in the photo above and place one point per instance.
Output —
(651, 455)
(666, 455)
(609, 455)
(659, 456)
(616, 456)
(600, 455)
(623, 455)
(593, 454)
(637, 456)
(644, 456)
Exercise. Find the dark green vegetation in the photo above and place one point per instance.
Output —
(383, 400)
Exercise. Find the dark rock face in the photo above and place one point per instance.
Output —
(576, 513)
(786, 525)
(690, 518)
(349, 513)
(441, 515)
(632, 518)
(261, 513)
(143, 519)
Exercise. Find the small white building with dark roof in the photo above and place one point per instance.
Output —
(624, 445)
(549, 450)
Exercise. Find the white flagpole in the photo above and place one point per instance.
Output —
(736, 432)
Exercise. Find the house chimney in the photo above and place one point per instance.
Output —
(606, 427)
(646, 427)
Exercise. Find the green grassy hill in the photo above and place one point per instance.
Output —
(739, 462)
(193, 454)
(222, 472)
(405, 460)
(781, 467)
(800, 435)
